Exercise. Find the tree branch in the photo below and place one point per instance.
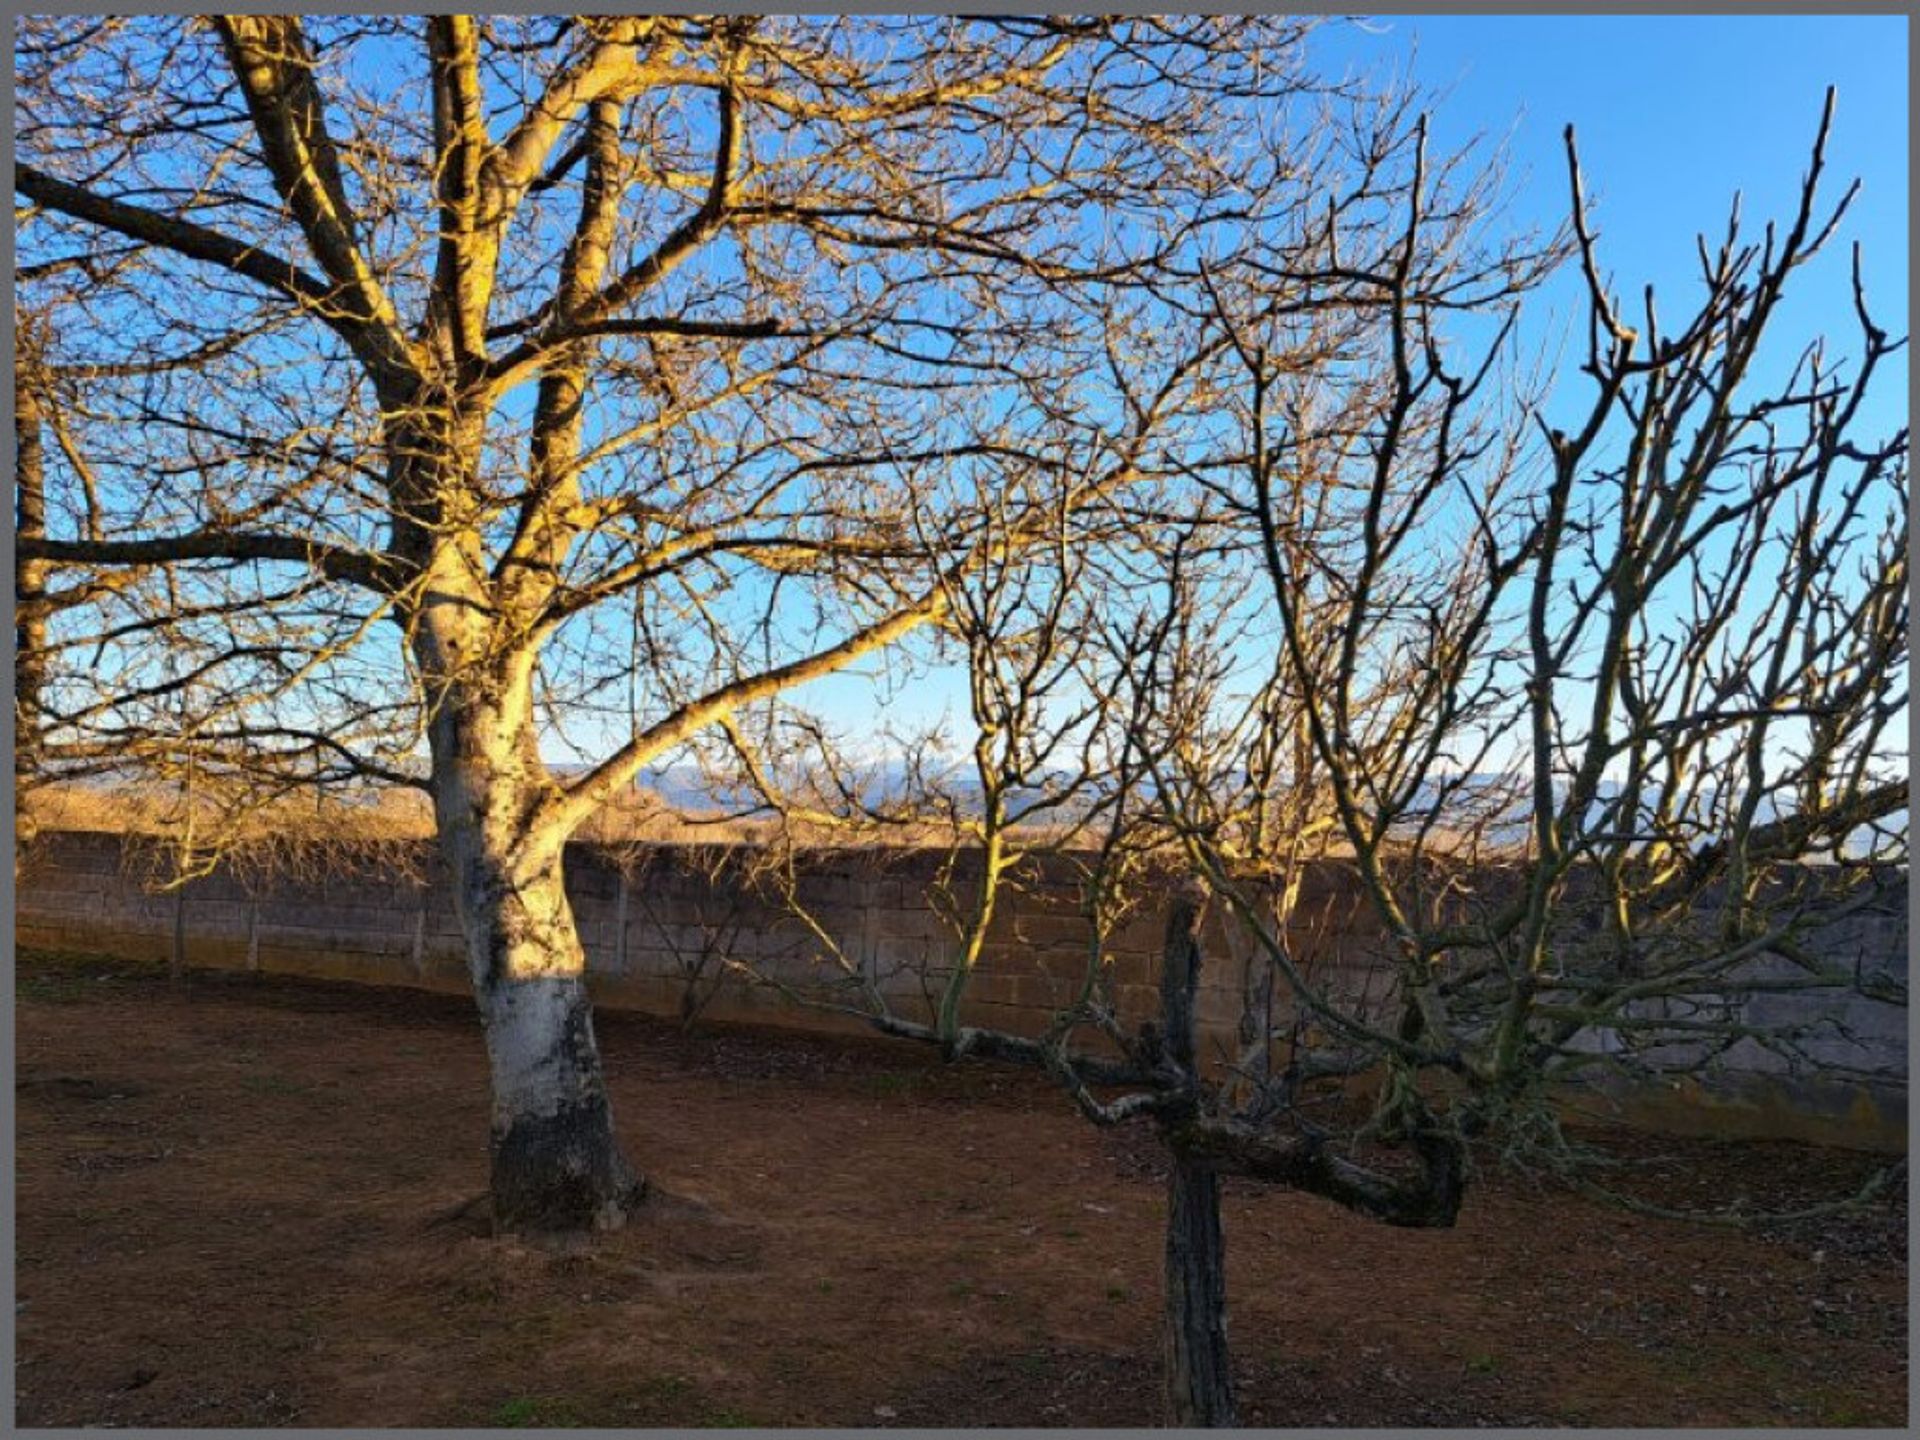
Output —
(274, 66)
(1305, 1162)
(379, 573)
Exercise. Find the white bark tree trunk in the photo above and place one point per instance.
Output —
(556, 1164)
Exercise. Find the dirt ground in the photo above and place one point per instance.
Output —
(249, 1205)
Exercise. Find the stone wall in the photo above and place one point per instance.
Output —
(675, 929)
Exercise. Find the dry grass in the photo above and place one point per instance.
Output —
(301, 831)
(152, 811)
(386, 817)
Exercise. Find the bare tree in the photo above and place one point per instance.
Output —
(1608, 751)
(1600, 725)
(564, 384)
(1687, 643)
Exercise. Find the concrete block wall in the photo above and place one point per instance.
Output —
(672, 929)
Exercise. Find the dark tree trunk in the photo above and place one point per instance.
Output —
(1199, 1375)
(1199, 1378)
(177, 954)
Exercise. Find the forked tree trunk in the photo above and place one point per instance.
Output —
(556, 1164)
(1199, 1378)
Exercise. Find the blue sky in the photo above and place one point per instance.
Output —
(1673, 114)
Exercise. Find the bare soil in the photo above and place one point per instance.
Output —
(256, 1204)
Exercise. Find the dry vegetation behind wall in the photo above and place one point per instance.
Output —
(664, 926)
(675, 930)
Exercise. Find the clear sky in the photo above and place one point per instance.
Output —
(1673, 115)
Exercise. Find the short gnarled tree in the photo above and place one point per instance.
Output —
(1588, 695)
